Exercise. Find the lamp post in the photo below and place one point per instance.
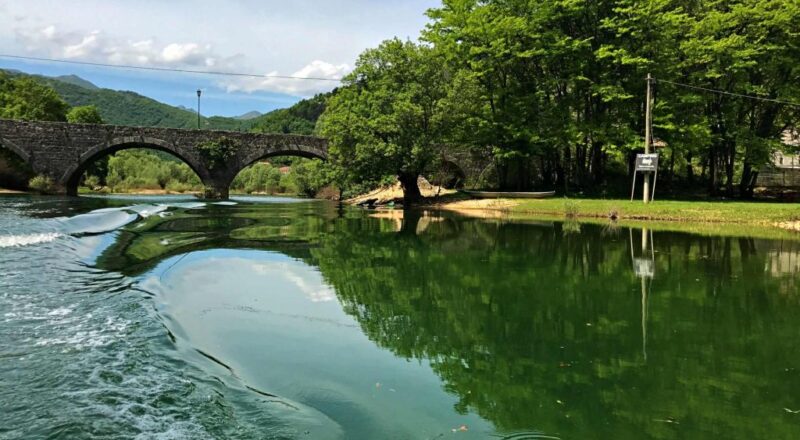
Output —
(199, 92)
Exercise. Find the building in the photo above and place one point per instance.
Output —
(784, 170)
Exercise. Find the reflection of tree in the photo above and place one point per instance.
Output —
(289, 228)
(516, 319)
(534, 328)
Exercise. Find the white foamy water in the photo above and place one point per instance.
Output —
(97, 222)
(28, 239)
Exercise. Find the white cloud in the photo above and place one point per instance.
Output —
(307, 281)
(96, 46)
(320, 70)
(273, 36)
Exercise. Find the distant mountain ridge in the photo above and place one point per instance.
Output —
(78, 81)
(130, 108)
(249, 115)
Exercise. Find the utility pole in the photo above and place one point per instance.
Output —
(647, 136)
(200, 92)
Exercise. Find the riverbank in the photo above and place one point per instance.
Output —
(781, 215)
(163, 192)
(11, 191)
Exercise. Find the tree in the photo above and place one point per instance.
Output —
(85, 114)
(747, 47)
(387, 119)
(26, 99)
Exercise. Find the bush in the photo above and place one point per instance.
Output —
(571, 209)
(92, 182)
(137, 169)
(42, 184)
(178, 187)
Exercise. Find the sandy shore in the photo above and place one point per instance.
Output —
(395, 192)
(481, 208)
(792, 226)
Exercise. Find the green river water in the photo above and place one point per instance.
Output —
(263, 318)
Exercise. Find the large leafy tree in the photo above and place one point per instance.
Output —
(387, 119)
(85, 114)
(748, 47)
(26, 99)
(556, 88)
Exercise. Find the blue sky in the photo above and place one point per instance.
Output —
(306, 38)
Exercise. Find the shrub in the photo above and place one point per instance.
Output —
(178, 187)
(42, 184)
(570, 209)
(92, 182)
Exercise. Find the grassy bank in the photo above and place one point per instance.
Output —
(785, 215)
(717, 211)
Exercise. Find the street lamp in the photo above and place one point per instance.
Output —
(199, 92)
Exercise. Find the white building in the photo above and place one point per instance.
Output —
(784, 171)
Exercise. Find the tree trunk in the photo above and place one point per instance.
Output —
(597, 162)
(671, 173)
(562, 171)
(410, 186)
(712, 172)
(748, 183)
(730, 165)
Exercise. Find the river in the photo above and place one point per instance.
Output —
(165, 317)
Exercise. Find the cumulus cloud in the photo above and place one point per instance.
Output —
(308, 282)
(318, 73)
(97, 46)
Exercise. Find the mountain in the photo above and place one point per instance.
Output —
(300, 118)
(77, 81)
(130, 108)
(249, 115)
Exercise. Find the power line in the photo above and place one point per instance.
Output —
(738, 95)
(166, 69)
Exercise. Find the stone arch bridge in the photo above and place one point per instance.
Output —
(64, 151)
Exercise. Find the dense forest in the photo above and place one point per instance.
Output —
(550, 94)
(554, 92)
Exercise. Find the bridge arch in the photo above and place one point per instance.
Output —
(449, 174)
(294, 150)
(304, 151)
(4, 143)
(71, 177)
(15, 166)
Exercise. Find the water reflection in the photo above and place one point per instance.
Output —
(542, 328)
(644, 268)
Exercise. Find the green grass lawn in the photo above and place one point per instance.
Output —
(713, 211)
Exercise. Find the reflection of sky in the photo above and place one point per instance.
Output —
(278, 326)
(309, 283)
